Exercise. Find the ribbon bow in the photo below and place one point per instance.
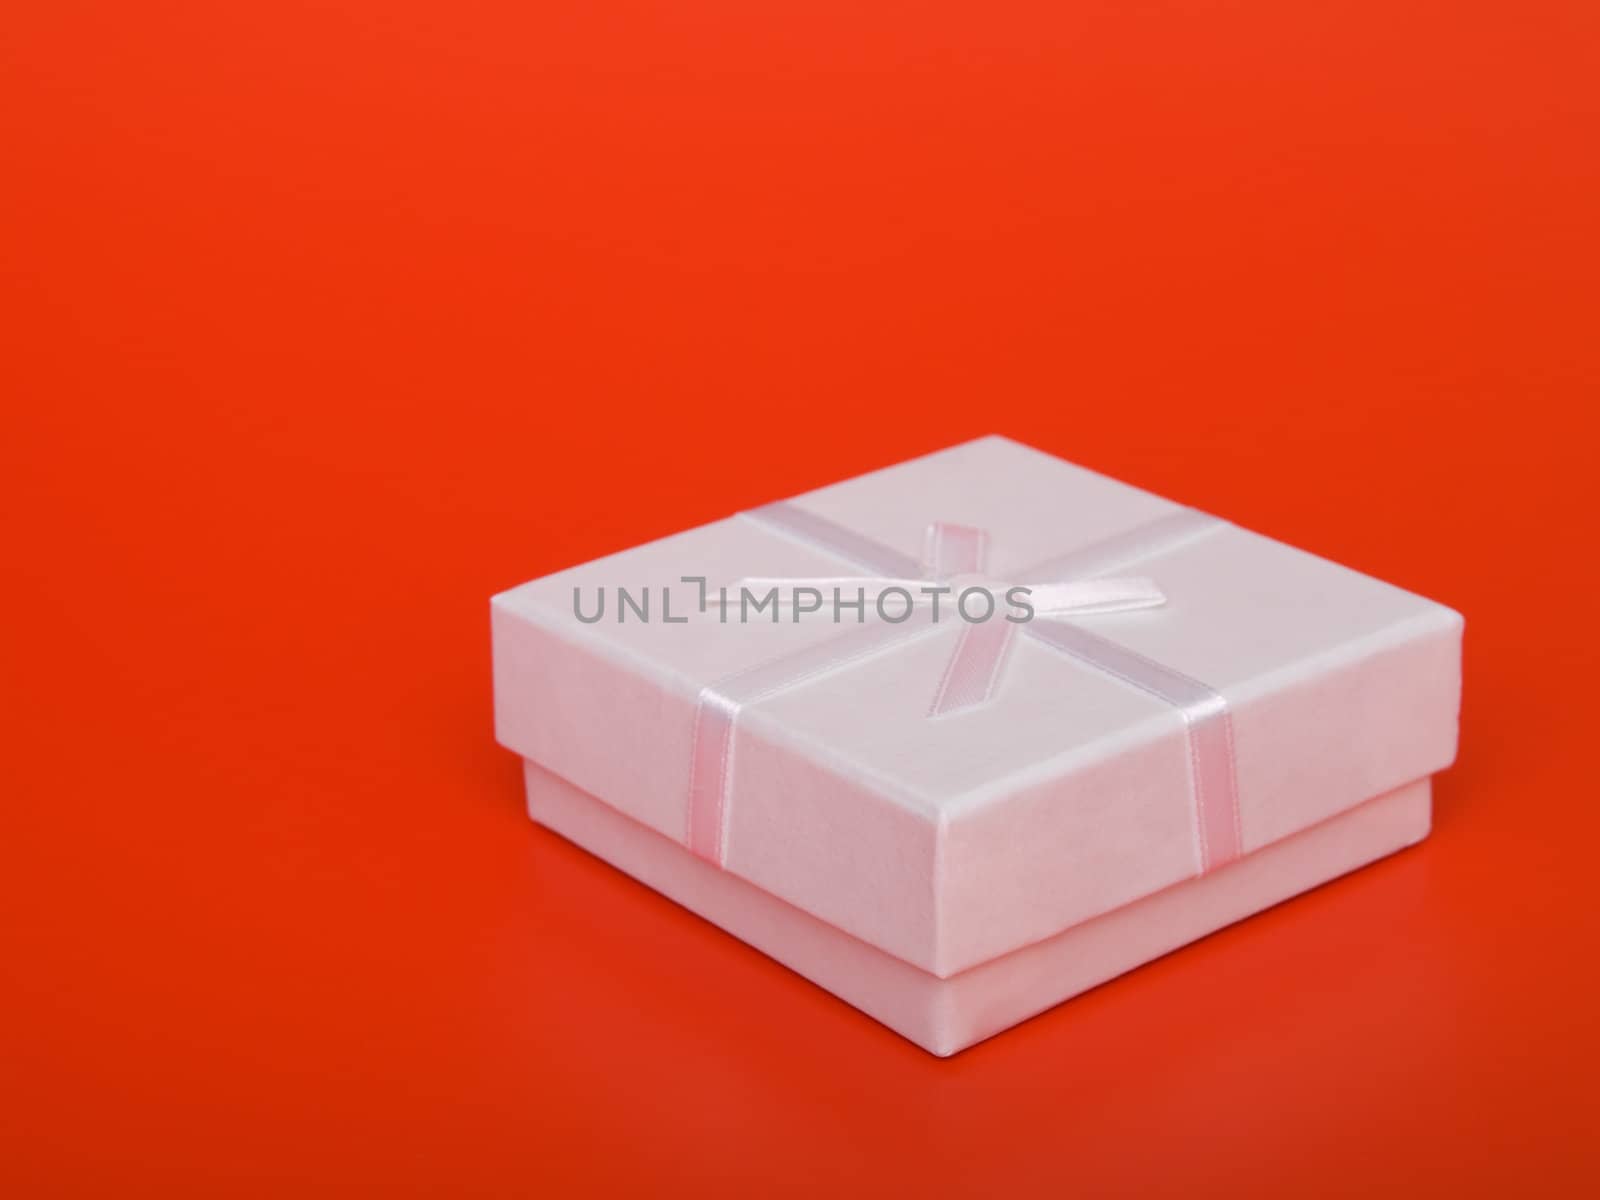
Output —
(957, 556)
(1077, 583)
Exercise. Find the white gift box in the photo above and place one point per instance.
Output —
(956, 819)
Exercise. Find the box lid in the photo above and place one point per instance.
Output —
(948, 840)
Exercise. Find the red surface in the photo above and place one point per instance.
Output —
(319, 319)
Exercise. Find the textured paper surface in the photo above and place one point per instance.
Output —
(948, 842)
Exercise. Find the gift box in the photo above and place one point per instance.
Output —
(961, 738)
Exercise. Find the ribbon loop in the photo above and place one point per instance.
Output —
(949, 550)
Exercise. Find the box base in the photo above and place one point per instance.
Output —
(947, 1015)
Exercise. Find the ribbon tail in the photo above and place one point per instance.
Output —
(974, 668)
(1093, 597)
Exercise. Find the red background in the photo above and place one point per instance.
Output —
(323, 322)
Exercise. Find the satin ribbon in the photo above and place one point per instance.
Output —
(1087, 598)
(1068, 585)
